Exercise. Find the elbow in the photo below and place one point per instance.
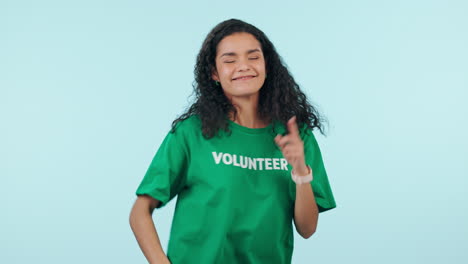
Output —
(135, 214)
(305, 228)
(131, 218)
(307, 233)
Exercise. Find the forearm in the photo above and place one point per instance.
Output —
(305, 209)
(145, 232)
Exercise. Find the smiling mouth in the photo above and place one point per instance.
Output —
(244, 78)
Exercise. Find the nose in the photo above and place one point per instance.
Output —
(244, 65)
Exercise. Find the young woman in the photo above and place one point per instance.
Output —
(243, 160)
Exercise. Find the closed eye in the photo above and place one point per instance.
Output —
(255, 58)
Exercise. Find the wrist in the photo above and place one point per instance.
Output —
(302, 178)
(302, 170)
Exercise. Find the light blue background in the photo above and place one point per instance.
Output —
(89, 89)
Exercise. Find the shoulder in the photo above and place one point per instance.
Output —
(188, 125)
(307, 136)
(304, 131)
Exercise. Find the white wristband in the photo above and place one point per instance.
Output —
(302, 179)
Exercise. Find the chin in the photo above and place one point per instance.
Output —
(241, 93)
(243, 90)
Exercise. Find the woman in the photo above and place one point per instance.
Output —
(241, 160)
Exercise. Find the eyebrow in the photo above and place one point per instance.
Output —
(234, 54)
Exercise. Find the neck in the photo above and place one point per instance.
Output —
(247, 112)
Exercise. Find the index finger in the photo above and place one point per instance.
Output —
(292, 126)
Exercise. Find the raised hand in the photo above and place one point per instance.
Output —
(292, 147)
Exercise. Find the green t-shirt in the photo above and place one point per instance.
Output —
(235, 193)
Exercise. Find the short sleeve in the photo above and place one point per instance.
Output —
(320, 184)
(166, 175)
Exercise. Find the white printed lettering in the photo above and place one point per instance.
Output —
(234, 157)
(267, 164)
(276, 164)
(260, 164)
(252, 164)
(217, 157)
(243, 162)
(227, 156)
(284, 164)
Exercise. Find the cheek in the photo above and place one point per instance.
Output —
(226, 70)
(260, 68)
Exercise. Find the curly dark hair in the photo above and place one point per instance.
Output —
(280, 97)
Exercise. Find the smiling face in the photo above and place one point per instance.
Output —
(240, 65)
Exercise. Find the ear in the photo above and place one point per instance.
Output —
(214, 75)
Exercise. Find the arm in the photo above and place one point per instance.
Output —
(142, 225)
(305, 208)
